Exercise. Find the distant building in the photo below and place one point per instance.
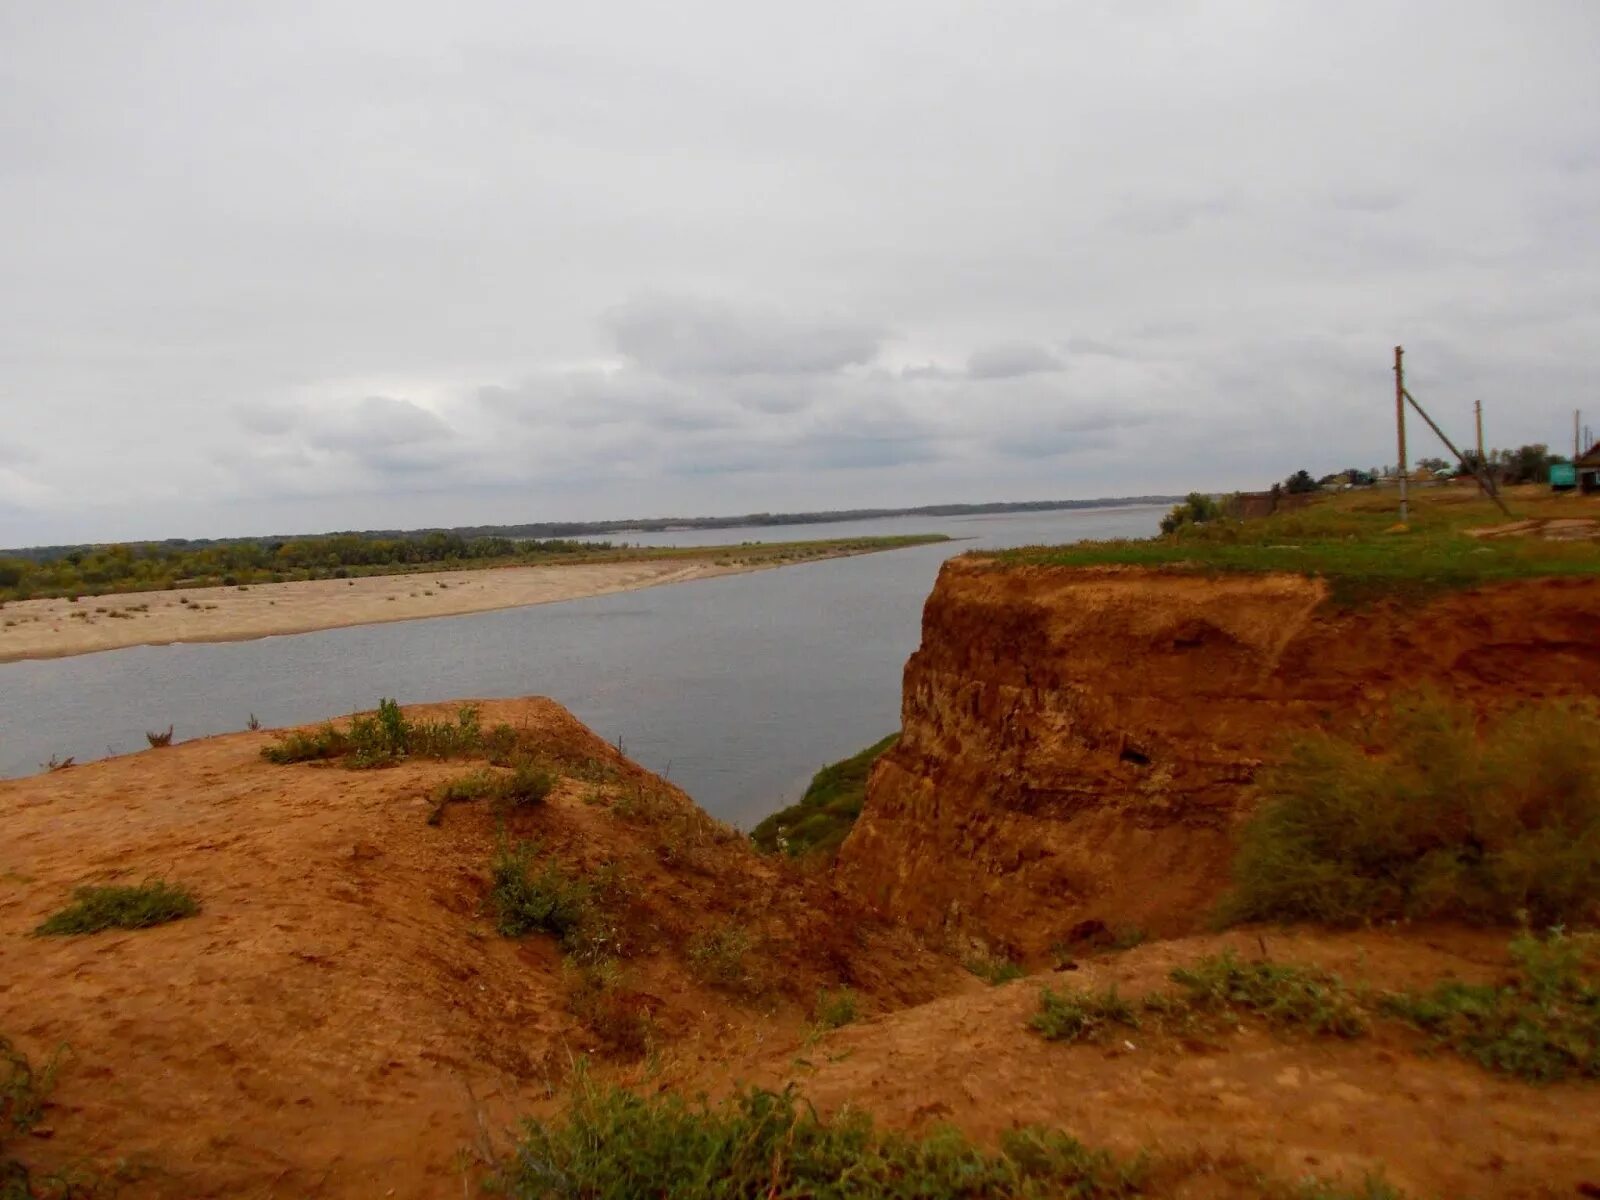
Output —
(1587, 468)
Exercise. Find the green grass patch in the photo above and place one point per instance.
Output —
(1216, 990)
(1543, 1024)
(1420, 813)
(612, 1145)
(522, 786)
(824, 816)
(23, 1091)
(620, 1018)
(531, 894)
(722, 958)
(387, 736)
(1285, 995)
(835, 1007)
(1080, 1016)
(95, 908)
(993, 969)
(1346, 540)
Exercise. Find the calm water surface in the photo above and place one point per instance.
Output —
(738, 688)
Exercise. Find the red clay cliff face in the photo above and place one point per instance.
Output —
(1077, 744)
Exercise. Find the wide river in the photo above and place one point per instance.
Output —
(737, 688)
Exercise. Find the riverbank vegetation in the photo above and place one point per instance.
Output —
(157, 566)
(822, 818)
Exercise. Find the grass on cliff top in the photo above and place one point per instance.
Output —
(824, 816)
(1346, 537)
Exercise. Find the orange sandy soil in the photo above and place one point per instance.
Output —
(52, 628)
(341, 1019)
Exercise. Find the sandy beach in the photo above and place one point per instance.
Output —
(57, 628)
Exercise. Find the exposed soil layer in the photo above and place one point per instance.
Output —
(341, 1018)
(1078, 743)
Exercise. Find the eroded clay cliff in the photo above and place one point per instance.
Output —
(1078, 744)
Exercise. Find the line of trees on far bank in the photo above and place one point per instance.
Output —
(150, 566)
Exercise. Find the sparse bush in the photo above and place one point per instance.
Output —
(719, 957)
(299, 745)
(612, 1143)
(1420, 816)
(253, 724)
(60, 764)
(599, 997)
(1285, 995)
(1543, 1024)
(1197, 509)
(158, 740)
(23, 1091)
(527, 784)
(551, 901)
(524, 785)
(383, 738)
(1078, 1016)
(993, 969)
(834, 1008)
(154, 902)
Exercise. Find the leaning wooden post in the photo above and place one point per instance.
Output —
(1400, 426)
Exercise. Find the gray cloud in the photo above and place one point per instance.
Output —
(325, 266)
(679, 335)
(1011, 361)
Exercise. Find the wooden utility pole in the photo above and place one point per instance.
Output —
(1484, 481)
(1400, 426)
(1576, 413)
(1477, 412)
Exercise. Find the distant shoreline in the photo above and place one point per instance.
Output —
(61, 628)
(566, 529)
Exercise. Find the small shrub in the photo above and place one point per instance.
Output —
(60, 764)
(551, 901)
(834, 1009)
(1077, 1016)
(1197, 509)
(719, 957)
(325, 742)
(526, 784)
(1286, 995)
(1420, 816)
(154, 902)
(610, 1142)
(993, 969)
(23, 1091)
(1543, 1024)
(253, 724)
(382, 738)
(598, 996)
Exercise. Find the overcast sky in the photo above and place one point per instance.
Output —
(293, 266)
